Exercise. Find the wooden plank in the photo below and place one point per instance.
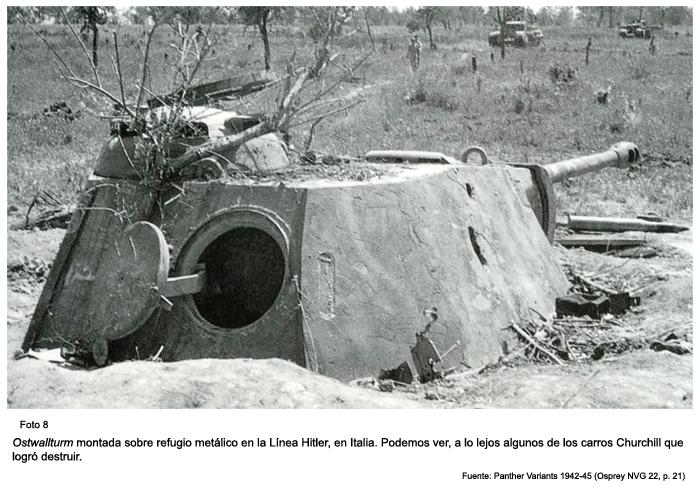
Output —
(599, 241)
(531, 341)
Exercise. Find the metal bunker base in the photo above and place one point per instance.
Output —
(330, 274)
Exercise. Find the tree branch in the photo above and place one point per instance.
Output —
(53, 51)
(81, 83)
(369, 30)
(340, 80)
(120, 77)
(144, 71)
(82, 45)
(217, 145)
(328, 113)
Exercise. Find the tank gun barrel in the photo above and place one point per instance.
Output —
(620, 155)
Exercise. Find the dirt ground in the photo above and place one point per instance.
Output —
(640, 378)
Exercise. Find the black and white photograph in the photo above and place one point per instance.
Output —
(321, 207)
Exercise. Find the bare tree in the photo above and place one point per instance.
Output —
(325, 30)
(503, 15)
(428, 16)
(91, 18)
(260, 17)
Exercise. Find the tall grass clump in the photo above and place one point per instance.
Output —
(530, 94)
(437, 86)
(638, 68)
(444, 87)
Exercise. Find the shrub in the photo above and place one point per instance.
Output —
(532, 95)
(519, 106)
(417, 94)
(460, 69)
(413, 25)
(437, 87)
(562, 73)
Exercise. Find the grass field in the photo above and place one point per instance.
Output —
(516, 116)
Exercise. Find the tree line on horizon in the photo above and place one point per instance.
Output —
(414, 18)
(264, 18)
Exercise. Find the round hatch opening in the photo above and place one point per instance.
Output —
(244, 254)
(245, 271)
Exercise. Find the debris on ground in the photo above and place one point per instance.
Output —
(636, 252)
(66, 357)
(620, 302)
(402, 373)
(595, 305)
(677, 343)
(33, 269)
(62, 109)
(586, 327)
(426, 358)
(675, 346)
(78, 354)
(591, 305)
(386, 385)
(600, 234)
(590, 298)
(578, 340)
(611, 281)
(600, 242)
(57, 217)
(50, 355)
(427, 361)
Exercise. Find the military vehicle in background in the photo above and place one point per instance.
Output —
(517, 33)
(638, 28)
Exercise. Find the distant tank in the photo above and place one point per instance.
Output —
(517, 33)
(249, 255)
(638, 28)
